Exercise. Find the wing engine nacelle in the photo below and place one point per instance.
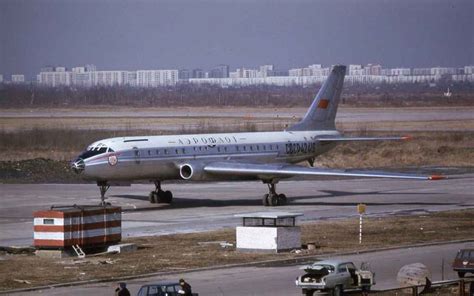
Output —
(192, 171)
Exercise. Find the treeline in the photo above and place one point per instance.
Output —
(31, 96)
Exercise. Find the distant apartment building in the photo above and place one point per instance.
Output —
(131, 78)
(312, 70)
(109, 78)
(198, 73)
(372, 69)
(468, 69)
(220, 71)
(185, 74)
(421, 71)
(153, 78)
(265, 71)
(54, 76)
(18, 78)
(443, 71)
(355, 70)
(400, 72)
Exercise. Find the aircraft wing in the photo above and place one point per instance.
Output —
(348, 139)
(269, 171)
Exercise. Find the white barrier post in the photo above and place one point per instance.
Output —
(361, 211)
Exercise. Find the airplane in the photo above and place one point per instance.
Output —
(265, 156)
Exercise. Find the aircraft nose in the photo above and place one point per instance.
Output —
(78, 165)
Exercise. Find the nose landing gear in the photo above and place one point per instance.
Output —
(160, 196)
(103, 187)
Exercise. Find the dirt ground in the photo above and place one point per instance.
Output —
(184, 251)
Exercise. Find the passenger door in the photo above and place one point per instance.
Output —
(136, 155)
(344, 277)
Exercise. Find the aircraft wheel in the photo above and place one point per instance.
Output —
(167, 197)
(273, 200)
(152, 197)
(282, 199)
(265, 200)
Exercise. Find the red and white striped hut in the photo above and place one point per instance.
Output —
(86, 226)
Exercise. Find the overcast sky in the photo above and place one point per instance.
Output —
(175, 34)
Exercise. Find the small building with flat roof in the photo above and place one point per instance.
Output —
(268, 232)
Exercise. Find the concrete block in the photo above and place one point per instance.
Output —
(273, 239)
(122, 248)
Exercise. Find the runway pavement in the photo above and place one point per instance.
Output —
(207, 206)
(280, 279)
(345, 113)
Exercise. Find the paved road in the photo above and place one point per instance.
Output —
(279, 280)
(206, 206)
(344, 114)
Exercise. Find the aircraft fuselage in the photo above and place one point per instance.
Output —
(162, 157)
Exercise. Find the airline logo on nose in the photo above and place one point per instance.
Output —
(323, 104)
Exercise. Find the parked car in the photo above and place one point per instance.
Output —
(161, 289)
(333, 277)
(464, 262)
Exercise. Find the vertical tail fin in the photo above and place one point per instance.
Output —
(322, 112)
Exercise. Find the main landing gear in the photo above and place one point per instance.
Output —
(272, 198)
(160, 196)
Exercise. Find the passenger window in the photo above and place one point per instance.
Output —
(157, 152)
(166, 151)
(142, 291)
(153, 291)
(184, 151)
(245, 148)
(149, 152)
(236, 148)
(176, 151)
(342, 268)
(225, 149)
(218, 149)
(251, 148)
(258, 148)
(271, 147)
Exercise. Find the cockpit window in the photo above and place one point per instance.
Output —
(95, 150)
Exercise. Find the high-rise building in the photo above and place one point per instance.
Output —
(18, 78)
(198, 73)
(109, 78)
(153, 78)
(265, 71)
(185, 74)
(443, 71)
(220, 71)
(468, 69)
(421, 71)
(400, 72)
(131, 78)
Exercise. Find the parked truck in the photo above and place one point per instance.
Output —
(332, 277)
